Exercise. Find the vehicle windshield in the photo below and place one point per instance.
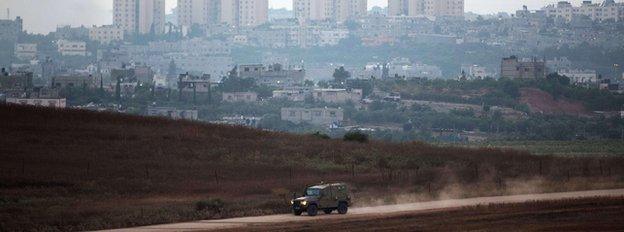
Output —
(312, 192)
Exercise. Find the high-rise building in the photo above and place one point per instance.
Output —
(349, 9)
(398, 7)
(335, 10)
(240, 13)
(10, 29)
(312, 10)
(252, 12)
(200, 12)
(432, 8)
(244, 13)
(139, 16)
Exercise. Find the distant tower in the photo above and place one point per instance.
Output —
(9, 13)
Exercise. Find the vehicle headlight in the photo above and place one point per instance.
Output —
(292, 202)
(304, 203)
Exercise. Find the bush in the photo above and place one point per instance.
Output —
(213, 205)
(321, 135)
(356, 136)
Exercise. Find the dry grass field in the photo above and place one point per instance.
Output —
(69, 170)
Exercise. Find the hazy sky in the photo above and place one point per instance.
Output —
(43, 16)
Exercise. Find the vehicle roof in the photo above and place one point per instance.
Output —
(322, 186)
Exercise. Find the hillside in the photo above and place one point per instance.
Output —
(541, 102)
(74, 170)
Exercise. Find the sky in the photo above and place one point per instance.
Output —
(43, 16)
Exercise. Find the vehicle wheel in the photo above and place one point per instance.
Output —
(297, 212)
(312, 210)
(327, 211)
(342, 208)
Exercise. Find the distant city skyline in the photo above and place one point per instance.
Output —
(99, 12)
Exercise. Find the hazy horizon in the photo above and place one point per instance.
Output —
(77, 12)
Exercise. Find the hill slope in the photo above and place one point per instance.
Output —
(542, 102)
(76, 170)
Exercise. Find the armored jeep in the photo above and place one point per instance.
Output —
(325, 197)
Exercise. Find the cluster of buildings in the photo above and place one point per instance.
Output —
(532, 68)
(608, 10)
(18, 88)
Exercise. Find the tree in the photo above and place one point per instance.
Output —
(173, 69)
(341, 75)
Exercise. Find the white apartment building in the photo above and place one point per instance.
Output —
(106, 34)
(431, 8)
(337, 96)
(295, 95)
(331, 37)
(139, 16)
(315, 116)
(244, 13)
(71, 48)
(25, 51)
(475, 71)
(200, 12)
(338, 11)
(53, 103)
(312, 10)
(398, 7)
(246, 97)
(608, 10)
(253, 12)
(578, 76)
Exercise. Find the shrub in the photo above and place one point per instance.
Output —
(321, 135)
(356, 136)
(213, 205)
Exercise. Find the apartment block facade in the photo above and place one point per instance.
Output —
(513, 67)
(139, 16)
(430, 8)
(238, 13)
(200, 12)
(106, 34)
(333, 10)
(314, 116)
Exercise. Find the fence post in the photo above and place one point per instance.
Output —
(216, 176)
(146, 171)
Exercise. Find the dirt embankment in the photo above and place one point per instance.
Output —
(542, 102)
(592, 214)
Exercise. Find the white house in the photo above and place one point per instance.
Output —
(106, 34)
(315, 116)
(579, 76)
(240, 97)
(338, 96)
(25, 51)
(72, 48)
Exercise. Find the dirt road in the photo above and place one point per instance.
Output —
(364, 211)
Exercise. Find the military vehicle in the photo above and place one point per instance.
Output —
(325, 197)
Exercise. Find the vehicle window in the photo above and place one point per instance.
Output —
(313, 192)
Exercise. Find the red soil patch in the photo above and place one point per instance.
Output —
(542, 102)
